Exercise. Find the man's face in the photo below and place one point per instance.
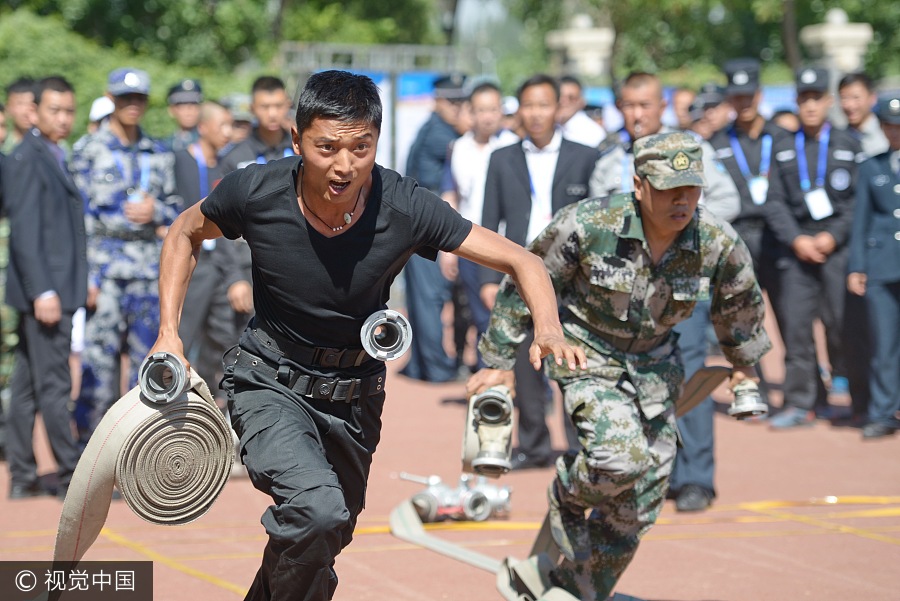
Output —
(448, 110)
(856, 102)
(186, 114)
(338, 158)
(681, 106)
(487, 113)
(240, 131)
(537, 108)
(55, 115)
(129, 108)
(642, 109)
(270, 109)
(892, 133)
(571, 101)
(746, 106)
(20, 110)
(3, 130)
(216, 128)
(812, 108)
(665, 213)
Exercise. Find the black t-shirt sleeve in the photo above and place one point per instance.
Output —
(226, 204)
(436, 225)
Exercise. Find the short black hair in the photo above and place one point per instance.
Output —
(859, 77)
(538, 80)
(339, 95)
(267, 83)
(486, 86)
(54, 83)
(22, 85)
(571, 79)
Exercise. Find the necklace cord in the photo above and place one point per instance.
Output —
(347, 216)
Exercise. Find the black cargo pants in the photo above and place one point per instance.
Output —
(312, 456)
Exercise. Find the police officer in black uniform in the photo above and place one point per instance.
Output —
(809, 208)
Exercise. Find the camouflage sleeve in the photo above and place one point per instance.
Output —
(168, 204)
(558, 245)
(81, 166)
(738, 309)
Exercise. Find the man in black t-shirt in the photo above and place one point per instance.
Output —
(329, 231)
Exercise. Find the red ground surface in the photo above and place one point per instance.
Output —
(807, 514)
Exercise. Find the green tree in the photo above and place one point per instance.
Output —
(87, 64)
(213, 33)
(688, 37)
(360, 21)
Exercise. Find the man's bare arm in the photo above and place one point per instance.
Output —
(176, 264)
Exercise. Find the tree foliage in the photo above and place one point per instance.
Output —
(86, 65)
(686, 35)
(361, 21)
(212, 33)
(224, 33)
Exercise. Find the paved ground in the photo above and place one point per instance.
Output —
(809, 514)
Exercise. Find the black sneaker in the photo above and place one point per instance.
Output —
(693, 497)
(27, 491)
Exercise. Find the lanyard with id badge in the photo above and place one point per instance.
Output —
(135, 193)
(816, 199)
(758, 184)
(203, 172)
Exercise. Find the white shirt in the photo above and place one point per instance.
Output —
(469, 164)
(541, 169)
(584, 130)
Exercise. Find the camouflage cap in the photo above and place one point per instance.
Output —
(669, 160)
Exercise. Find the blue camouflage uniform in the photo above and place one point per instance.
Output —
(123, 257)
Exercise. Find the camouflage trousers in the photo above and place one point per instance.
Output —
(126, 321)
(622, 473)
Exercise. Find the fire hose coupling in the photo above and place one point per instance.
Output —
(472, 499)
(487, 439)
(163, 378)
(747, 401)
(386, 335)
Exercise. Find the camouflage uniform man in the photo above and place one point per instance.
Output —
(626, 269)
(128, 180)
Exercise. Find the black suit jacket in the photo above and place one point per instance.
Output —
(875, 236)
(46, 218)
(507, 192)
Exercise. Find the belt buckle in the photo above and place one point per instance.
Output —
(323, 388)
(328, 357)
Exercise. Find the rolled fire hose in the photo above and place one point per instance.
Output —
(169, 452)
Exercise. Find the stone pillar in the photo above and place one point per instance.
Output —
(582, 49)
(839, 45)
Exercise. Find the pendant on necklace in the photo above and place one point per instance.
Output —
(347, 218)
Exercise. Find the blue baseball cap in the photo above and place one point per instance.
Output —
(128, 81)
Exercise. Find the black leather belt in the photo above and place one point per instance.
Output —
(346, 390)
(317, 356)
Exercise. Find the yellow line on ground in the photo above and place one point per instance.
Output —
(175, 565)
(764, 508)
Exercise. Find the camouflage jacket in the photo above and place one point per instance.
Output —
(614, 302)
(105, 170)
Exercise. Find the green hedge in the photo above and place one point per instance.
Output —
(40, 46)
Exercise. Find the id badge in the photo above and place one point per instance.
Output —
(135, 195)
(759, 188)
(818, 204)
